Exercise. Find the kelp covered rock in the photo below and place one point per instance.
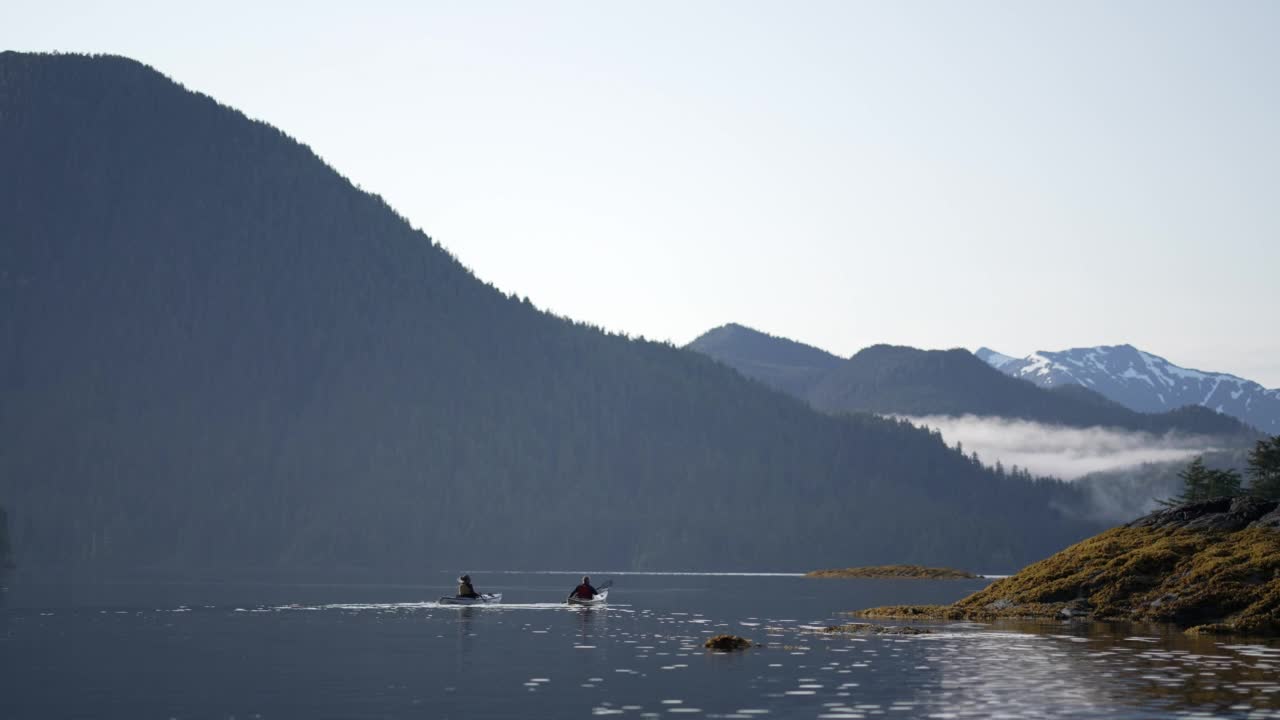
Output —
(894, 572)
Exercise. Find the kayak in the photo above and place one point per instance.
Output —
(600, 599)
(484, 599)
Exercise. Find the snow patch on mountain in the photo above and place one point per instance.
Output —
(1144, 381)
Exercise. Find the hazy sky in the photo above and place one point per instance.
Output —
(1019, 175)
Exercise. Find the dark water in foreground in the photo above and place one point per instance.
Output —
(249, 651)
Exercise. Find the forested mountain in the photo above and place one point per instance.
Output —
(787, 365)
(906, 381)
(1145, 382)
(216, 352)
(6, 550)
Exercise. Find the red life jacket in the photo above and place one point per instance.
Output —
(584, 592)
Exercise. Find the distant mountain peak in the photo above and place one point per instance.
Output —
(728, 330)
(993, 358)
(1144, 381)
(783, 364)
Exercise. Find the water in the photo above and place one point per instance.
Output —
(248, 651)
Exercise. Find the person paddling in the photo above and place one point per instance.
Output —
(466, 589)
(584, 591)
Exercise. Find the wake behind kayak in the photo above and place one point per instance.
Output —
(488, 599)
(600, 599)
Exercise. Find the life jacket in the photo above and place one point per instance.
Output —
(465, 590)
(584, 592)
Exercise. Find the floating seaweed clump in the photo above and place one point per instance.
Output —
(727, 643)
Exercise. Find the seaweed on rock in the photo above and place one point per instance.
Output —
(1208, 567)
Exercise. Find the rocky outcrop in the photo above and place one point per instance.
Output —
(1224, 513)
(1210, 566)
(1270, 521)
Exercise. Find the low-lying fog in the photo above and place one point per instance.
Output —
(1063, 452)
(1125, 473)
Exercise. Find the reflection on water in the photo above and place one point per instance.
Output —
(1091, 670)
(971, 670)
(640, 657)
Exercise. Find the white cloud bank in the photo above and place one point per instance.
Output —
(1060, 451)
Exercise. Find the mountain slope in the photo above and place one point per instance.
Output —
(216, 352)
(907, 381)
(780, 363)
(1145, 382)
(6, 550)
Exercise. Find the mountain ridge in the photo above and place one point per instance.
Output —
(907, 381)
(900, 380)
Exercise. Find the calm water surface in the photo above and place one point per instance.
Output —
(248, 651)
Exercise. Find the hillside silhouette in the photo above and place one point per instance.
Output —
(217, 352)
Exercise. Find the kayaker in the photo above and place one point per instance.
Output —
(584, 591)
(465, 588)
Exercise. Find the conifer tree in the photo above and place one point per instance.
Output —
(1223, 483)
(1264, 469)
(1195, 483)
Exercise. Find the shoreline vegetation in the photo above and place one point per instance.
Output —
(1209, 567)
(894, 572)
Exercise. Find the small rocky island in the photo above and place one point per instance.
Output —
(1211, 566)
(894, 572)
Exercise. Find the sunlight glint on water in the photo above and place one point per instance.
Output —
(365, 650)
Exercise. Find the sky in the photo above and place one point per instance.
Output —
(1025, 176)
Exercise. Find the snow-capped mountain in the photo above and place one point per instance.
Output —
(1144, 382)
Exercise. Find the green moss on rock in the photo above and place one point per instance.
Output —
(1183, 566)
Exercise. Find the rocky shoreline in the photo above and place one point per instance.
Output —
(1207, 567)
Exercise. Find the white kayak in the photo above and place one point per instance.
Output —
(600, 599)
(482, 600)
